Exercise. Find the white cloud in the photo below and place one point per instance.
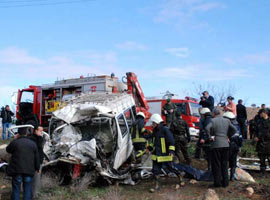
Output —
(201, 72)
(18, 56)
(179, 52)
(184, 12)
(256, 58)
(131, 45)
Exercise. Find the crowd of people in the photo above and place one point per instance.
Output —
(222, 130)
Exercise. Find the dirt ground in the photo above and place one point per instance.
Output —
(236, 190)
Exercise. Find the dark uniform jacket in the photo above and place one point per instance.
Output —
(163, 144)
(236, 139)
(6, 116)
(263, 133)
(241, 111)
(39, 142)
(137, 130)
(203, 123)
(166, 111)
(25, 157)
(208, 103)
(180, 130)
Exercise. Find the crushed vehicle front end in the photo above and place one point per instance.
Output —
(91, 137)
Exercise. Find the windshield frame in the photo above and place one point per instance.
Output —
(192, 107)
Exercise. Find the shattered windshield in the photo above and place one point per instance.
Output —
(194, 109)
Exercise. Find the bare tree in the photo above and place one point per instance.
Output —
(220, 92)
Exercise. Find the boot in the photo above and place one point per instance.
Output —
(157, 185)
(232, 174)
(181, 182)
(263, 172)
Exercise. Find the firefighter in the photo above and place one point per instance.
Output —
(169, 111)
(204, 139)
(137, 134)
(236, 141)
(262, 137)
(163, 148)
(180, 131)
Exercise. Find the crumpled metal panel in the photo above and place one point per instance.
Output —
(84, 150)
(67, 138)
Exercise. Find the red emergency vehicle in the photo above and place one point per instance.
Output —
(35, 104)
(189, 108)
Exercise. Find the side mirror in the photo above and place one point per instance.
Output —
(14, 98)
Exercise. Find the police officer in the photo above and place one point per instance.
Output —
(180, 130)
(169, 111)
(204, 139)
(137, 134)
(262, 137)
(236, 141)
(163, 148)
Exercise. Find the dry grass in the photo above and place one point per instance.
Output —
(114, 193)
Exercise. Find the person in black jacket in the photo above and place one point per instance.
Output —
(38, 139)
(235, 143)
(6, 115)
(24, 162)
(207, 101)
(242, 118)
(204, 139)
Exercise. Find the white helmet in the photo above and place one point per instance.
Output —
(229, 115)
(141, 114)
(204, 111)
(156, 118)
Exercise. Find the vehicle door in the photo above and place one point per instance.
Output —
(124, 122)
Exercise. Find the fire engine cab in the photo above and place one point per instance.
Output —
(189, 108)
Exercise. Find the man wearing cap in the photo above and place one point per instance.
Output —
(169, 111)
(207, 101)
(262, 137)
(162, 149)
(218, 131)
(180, 130)
(137, 135)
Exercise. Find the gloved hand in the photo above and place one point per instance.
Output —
(171, 153)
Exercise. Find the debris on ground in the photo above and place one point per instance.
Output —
(210, 195)
(4, 155)
(193, 181)
(250, 191)
(242, 175)
(250, 164)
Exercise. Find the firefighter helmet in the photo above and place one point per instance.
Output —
(141, 114)
(204, 111)
(156, 118)
(229, 115)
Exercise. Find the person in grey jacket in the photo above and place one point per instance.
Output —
(219, 130)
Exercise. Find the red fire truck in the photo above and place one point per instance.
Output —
(35, 104)
(188, 107)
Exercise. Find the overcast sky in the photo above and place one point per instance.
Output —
(170, 44)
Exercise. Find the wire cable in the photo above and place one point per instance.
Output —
(44, 4)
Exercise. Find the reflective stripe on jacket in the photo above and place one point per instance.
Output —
(163, 144)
